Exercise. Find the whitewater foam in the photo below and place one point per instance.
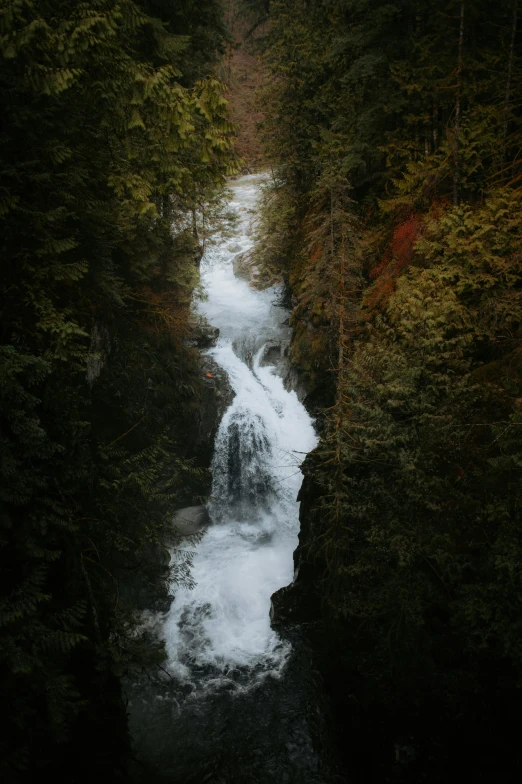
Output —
(222, 626)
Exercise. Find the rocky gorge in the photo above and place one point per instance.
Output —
(237, 669)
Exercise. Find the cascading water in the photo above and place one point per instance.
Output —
(246, 554)
(227, 709)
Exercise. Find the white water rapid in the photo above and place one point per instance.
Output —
(222, 626)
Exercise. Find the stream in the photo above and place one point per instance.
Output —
(236, 703)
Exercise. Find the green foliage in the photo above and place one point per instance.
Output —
(274, 231)
(418, 520)
(412, 533)
(115, 145)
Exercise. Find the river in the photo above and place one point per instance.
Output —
(236, 703)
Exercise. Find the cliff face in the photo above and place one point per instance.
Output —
(299, 603)
(404, 266)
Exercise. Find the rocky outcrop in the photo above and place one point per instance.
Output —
(204, 335)
(299, 603)
(215, 397)
(273, 354)
(245, 268)
(207, 336)
(191, 520)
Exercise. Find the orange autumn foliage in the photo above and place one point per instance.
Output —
(164, 312)
(396, 259)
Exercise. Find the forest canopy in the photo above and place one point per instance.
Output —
(393, 134)
(114, 141)
(394, 215)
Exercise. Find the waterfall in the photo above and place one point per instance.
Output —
(221, 630)
(236, 703)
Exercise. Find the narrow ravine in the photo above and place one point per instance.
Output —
(246, 554)
(235, 701)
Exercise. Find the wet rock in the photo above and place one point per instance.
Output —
(242, 266)
(295, 604)
(162, 605)
(191, 520)
(215, 397)
(299, 604)
(272, 354)
(204, 335)
(207, 337)
(292, 378)
(255, 276)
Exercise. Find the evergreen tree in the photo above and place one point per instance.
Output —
(114, 139)
(411, 515)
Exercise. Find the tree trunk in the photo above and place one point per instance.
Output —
(340, 372)
(456, 160)
(509, 79)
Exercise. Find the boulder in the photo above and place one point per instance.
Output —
(241, 265)
(272, 354)
(191, 520)
(204, 335)
(207, 336)
(216, 395)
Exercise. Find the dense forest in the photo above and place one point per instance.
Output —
(115, 144)
(394, 131)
